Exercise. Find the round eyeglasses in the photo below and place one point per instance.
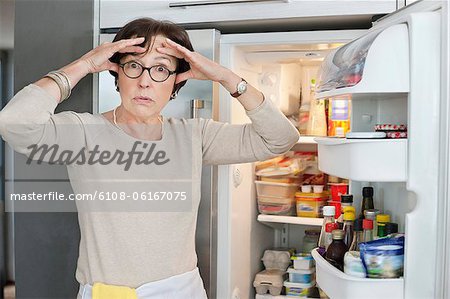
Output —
(158, 73)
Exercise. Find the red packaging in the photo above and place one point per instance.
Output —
(330, 227)
(390, 127)
(396, 134)
(337, 208)
(337, 190)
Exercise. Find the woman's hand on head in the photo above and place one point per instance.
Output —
(97, 60)
(202, 68)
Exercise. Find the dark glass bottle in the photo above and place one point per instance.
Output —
(337, 249)
(357, 235)
(390, 228)
(367, 201)
(349, 218)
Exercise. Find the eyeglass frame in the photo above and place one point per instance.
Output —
(147, 69)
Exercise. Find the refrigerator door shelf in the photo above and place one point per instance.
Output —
(367, 160)
(375, 63)
(338, 285)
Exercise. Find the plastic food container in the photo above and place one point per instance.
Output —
(275, 189)
(281, 179)
(277, 209)
(302, 276)
(276, 205)
(310, 204)
(269, 281)
(297, 289)
(302, 261)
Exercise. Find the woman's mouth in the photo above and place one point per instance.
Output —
(143, 100)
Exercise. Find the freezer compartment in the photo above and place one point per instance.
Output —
(368, 160)
(338, 285)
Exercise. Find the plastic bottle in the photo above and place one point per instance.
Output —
(372, 215)
(367, 228)
(382, 219)
(349, 218)
(328, 217)
(337, 249)
(367, 201)
(346, 201)
(317, 122)
(357, 235)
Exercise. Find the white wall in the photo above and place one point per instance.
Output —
(6, 24)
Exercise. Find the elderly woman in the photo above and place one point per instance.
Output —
(147, 254)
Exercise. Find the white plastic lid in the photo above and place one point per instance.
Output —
(299, 271)
(329, 211)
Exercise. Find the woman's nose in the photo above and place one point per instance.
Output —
(145, 80)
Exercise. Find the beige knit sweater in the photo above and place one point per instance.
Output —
(135, 247)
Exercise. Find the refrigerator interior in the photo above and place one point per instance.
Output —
(279, 68)
(256, 57)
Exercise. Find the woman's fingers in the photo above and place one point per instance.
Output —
(169, 51)
(184, 76)
(133, 49)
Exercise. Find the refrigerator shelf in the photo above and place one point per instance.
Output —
(368, 160)
(338, 285)
(306, 140)
(268, 296)
(277, 222)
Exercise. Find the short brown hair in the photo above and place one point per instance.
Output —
(149, 28)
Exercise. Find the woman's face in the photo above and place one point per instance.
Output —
(157, 94)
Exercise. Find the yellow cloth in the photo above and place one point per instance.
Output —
(105, 291)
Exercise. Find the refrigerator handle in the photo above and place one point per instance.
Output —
(196, 105)
(185, 4)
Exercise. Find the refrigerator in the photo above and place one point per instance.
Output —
(399, 63)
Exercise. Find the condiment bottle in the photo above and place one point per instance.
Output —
(367, 228)
(367, 201)
(337, 249)
(372, 215)
(329, 228)
(382, 219)
(390, 228)
(328, 217)
(346, 201)
(357, 235)
(349, 217)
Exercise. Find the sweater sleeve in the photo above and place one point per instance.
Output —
(28, 119)
(268, 135)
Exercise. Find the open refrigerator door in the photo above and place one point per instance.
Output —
(389, 86)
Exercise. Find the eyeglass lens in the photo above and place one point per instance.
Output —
(158, 73)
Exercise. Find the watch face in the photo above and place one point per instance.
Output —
(242, 87)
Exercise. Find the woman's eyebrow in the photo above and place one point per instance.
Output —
(166, 58)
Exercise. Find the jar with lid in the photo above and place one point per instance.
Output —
(337, 249)
(310, 240)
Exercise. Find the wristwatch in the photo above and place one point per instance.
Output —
(240, 88)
